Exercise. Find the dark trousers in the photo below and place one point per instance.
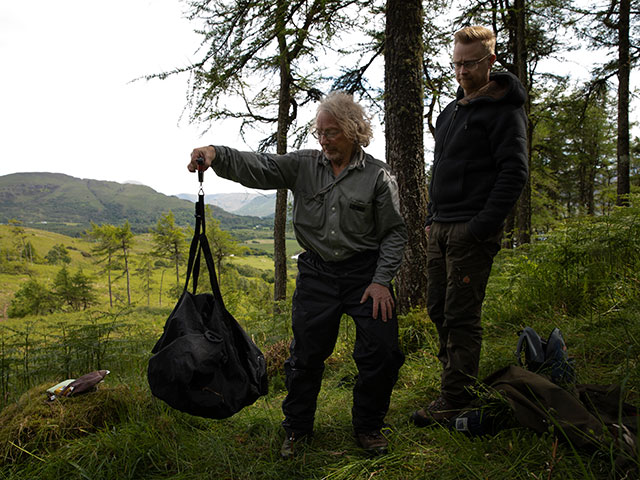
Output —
(324, 292)
(458, 268)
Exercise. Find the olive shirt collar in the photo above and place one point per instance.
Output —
(357, 159)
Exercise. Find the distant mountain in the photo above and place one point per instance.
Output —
(250, 204)
(263, 206)
(65, 204)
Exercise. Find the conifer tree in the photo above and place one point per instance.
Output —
(222, 242)
(612, 27)
(105, 247)
(169, 242)
(259, 65)
(404, 113)
(124, 237)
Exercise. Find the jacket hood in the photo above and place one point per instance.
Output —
(502, 86)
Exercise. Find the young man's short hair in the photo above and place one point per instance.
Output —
(477, 33)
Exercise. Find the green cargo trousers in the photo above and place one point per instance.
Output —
(458, 268)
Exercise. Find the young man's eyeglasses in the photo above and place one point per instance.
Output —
(329, 134)
(469, 64)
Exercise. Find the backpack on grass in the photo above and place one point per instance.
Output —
(546, 356)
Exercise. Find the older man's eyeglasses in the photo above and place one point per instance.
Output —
(469, 64)
(329, 134)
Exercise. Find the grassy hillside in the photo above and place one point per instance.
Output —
(583, 278)
(14, 274)
(65, 204)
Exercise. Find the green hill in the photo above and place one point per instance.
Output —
(261, 205)
(65, 204)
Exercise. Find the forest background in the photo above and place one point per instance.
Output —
(570, 256)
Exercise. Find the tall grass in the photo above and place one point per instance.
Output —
(586, 266)
(582, 277)
(61, 346)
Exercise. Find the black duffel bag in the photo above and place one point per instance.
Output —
(205, 364)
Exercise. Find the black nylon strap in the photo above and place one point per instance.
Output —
(200, 218)
(200, 244)
(194, 247)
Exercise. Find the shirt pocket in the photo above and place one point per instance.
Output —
(356, 216)
(308, 210)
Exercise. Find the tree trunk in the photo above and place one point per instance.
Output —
(523, 207)
(148, 286)
(109, 280)
(126, 271)
(160, 290)
(280, 219)
(509, 229)
(176, 258)
(624, 67)
(404, 140)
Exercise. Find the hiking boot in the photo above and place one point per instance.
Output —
(374, 443)
(291, 443)
(438, 412)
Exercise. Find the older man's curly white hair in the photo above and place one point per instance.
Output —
(351, 116)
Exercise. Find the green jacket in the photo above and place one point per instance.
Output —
(332, 217)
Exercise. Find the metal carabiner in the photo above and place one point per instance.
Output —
(200, 162)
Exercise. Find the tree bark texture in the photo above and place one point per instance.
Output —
(523, 207)
(405, 142)
(280, 218)
(624, 68)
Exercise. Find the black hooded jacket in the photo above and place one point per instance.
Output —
(480, 161)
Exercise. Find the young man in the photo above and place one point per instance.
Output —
(346, 216)
(479, 170)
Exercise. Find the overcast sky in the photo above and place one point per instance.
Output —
(67, 103)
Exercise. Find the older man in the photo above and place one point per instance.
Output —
(479, 170)
(346, 217)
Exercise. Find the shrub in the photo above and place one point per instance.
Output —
(58, 254)
(588, 264)
(33, 298)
